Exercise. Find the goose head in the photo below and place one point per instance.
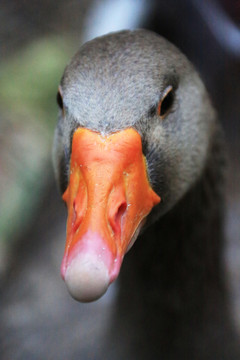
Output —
(133, 133)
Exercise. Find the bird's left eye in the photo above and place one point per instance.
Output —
(59, 100)
(166, 102)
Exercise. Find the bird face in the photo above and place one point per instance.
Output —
(134, 126)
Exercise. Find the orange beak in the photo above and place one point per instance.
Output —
(108, 198)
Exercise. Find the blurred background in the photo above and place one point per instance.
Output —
(38, 319)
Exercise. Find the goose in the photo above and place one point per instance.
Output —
(139, 160)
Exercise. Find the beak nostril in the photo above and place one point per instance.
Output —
(116, 224)
(74, 214)
(121, 210)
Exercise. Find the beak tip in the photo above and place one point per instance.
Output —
(86, 278)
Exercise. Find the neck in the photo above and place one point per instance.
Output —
(172, 280)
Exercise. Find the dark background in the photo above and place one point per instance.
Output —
(38, 319)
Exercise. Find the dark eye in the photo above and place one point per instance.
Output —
(60, 100)
(166, 102)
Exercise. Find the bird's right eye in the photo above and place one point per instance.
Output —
(166, 102)
(60, 100)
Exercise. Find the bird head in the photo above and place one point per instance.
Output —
(132, 137)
